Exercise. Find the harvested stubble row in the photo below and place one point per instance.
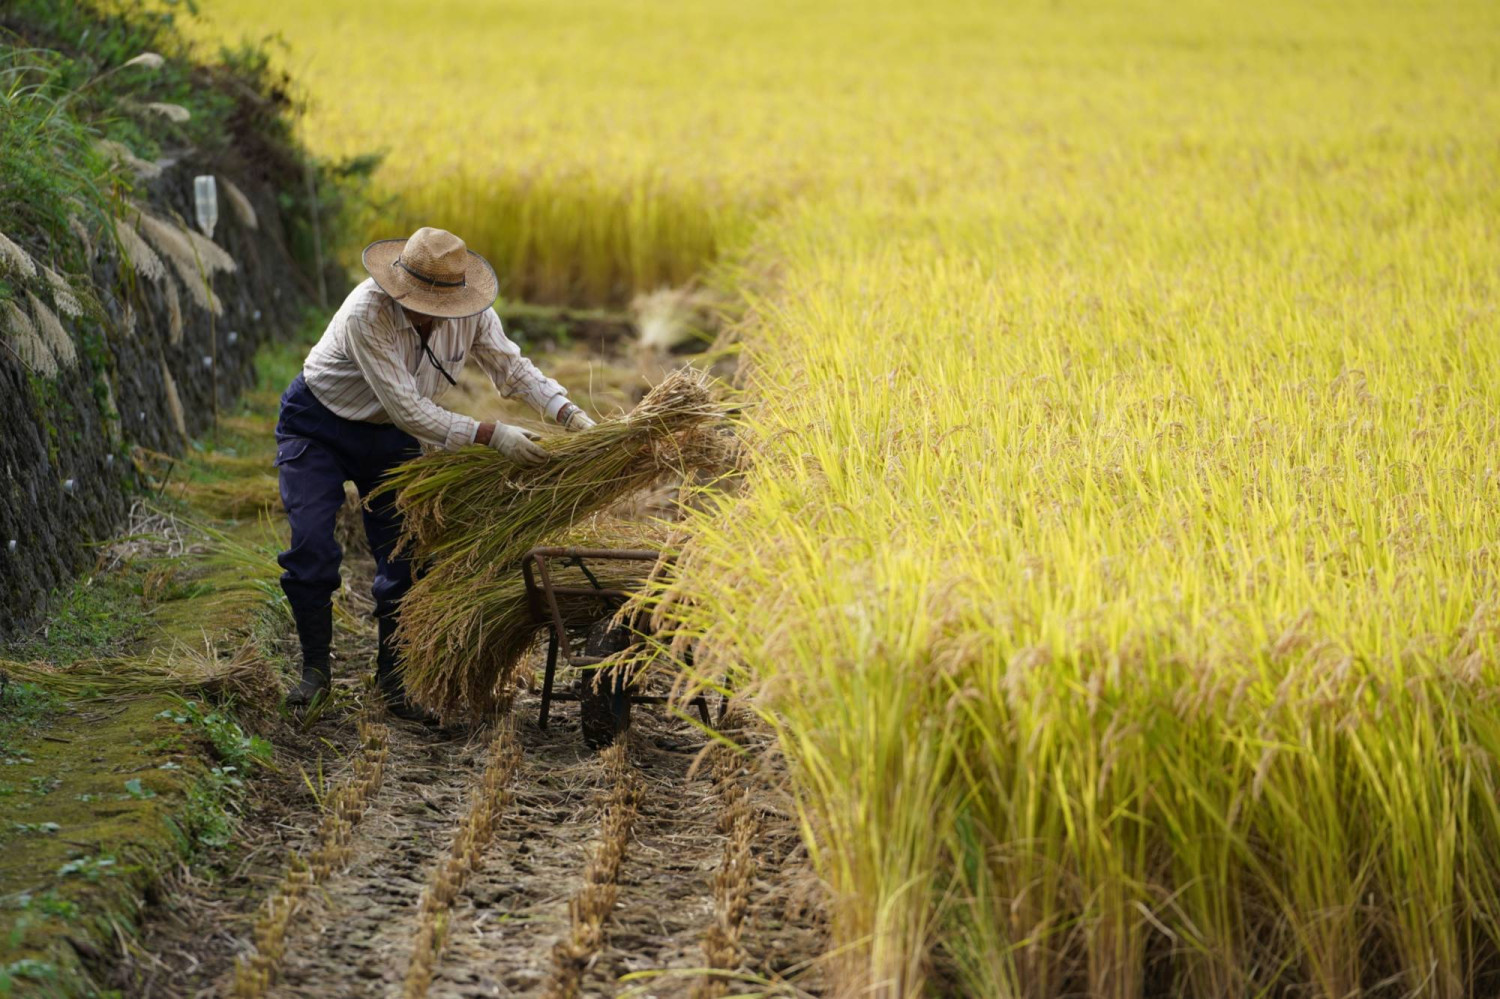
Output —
(255, 972)
(596, 899)
(486, 803)
(472, 515)
(739, 824)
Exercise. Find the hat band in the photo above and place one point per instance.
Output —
(461, 282)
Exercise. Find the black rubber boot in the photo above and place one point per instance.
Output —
(315, 632)
(388, 677)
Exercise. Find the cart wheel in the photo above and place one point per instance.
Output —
(604, 712)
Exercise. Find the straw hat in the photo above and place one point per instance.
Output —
(433, 273)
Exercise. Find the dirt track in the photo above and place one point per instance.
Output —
(354, 934)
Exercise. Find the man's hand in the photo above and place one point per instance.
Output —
(573, 419)
(516, 444)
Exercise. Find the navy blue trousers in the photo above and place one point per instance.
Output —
(317, 451)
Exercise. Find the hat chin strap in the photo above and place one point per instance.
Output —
(434, 282)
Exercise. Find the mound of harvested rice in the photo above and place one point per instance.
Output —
(472, 515)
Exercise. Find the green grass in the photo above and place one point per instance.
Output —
(98, 616)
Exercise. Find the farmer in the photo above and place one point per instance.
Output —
(364, 403)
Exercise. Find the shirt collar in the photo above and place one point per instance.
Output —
(437, 322)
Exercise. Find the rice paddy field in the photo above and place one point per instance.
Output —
(1118, 566)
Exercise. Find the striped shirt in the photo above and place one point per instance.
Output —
(369, 365)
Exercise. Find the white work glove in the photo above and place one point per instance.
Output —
(518, 445)
(573, 419)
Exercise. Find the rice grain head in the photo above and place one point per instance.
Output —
(243, 209)
(16, 258)
(56, 337)
(141, 257)
(27, 343)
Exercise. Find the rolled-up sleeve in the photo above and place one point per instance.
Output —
(514, 376)
(373, 348)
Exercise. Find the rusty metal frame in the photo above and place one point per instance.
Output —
(542, 596)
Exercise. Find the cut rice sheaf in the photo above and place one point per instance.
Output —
(472, 515)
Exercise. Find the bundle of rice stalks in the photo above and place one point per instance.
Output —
(242, 674)
(472, 515)
(461, 656)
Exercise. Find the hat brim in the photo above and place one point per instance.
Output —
(475, 295)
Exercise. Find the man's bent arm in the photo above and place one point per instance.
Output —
(514, 376)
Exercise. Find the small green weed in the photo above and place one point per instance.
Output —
(27, 968)
(98, 616)
(90, 868)
(44, 785)
(37, 828)
(24, 707)
(208, 820)
(231, 744)
(134, 788)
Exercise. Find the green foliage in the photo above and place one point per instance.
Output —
(99, 615)
(24, 707)
(209, 819)
(89, 867)
(72, 82)
(136, 790)
(234, 748)
(14, 974)
(49, 168)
